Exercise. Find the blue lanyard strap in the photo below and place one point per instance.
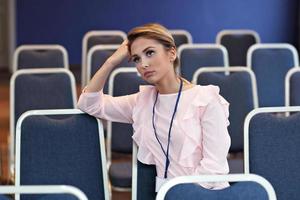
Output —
(170, 128)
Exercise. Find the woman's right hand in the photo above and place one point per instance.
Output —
(97, 82)
(120, 54)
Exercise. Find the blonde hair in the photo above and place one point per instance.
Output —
(153, 31)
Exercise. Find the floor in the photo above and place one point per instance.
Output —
(4, 129)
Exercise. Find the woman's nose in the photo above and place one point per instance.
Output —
(145, 64)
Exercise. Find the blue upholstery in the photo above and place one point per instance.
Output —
(121, 141)
(145, 181)
(50, 58)
(236, 165)
(50, 197)
(270, 67)
(274, 152)
(236, 88)
(120, 174)
(237, 46)
(193, 59)
(62, 149)
(3, 197)
(180, 39)
(103, 39)
(42, 91)
(294, 89)
(98, 59)
(240, 190)
(124, 84)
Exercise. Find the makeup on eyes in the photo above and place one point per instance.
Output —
(148, 52)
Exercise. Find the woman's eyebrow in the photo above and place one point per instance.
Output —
(143, 51)
(147, 48)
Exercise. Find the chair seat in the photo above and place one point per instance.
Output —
(120, 174)
(241, 190)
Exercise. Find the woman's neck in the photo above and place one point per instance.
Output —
(169, 84)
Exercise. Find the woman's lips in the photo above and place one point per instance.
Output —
(148, 74)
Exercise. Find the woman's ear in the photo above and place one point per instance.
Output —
(172, 54)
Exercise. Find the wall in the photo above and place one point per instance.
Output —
(66, 21)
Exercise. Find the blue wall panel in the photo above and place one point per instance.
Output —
(66, 21)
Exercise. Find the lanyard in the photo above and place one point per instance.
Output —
(169, 135)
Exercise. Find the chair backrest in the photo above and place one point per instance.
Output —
(237, 43)
(92, 38)
(39, 89)
(122, 81)
(292, 82)
(44, 191)
(97, 56)
(40, 56)
(181, 36)
(272, 148)
(247, 186)
(239, 89)
(62, 147)
(143, 178)
(270, 63)
(194, 56)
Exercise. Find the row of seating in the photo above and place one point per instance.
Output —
(115, 171)
(269, 62)
(67, 147)
(271, 151)
(52, 89)
(55, 141)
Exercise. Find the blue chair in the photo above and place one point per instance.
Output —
(42, 192)
(66, 146)
(272, 148)
(97, 56)
(292, 82)
(194, 56)
(39, 89)
(40, 56)
(247, 186)
(237, 43)
(181, 36)
(123, 81)
(92, 38)
(270, 64)
(143, 179)
(239, 89)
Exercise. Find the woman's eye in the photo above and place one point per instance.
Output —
(150, 53)
(136, 59)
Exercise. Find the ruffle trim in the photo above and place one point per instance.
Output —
(190, 153)
(144, 154)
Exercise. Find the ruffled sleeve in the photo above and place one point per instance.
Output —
(116, 109)
(207, 151)
(144, 153)
(216, 139)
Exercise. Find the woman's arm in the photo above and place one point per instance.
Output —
(215, 143)
(94, 102)
(116, 109)
(97, 82)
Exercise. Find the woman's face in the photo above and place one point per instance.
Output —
(152, 60)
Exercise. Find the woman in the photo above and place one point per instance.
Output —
(178, 126)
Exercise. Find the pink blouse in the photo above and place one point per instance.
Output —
(199, 139)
